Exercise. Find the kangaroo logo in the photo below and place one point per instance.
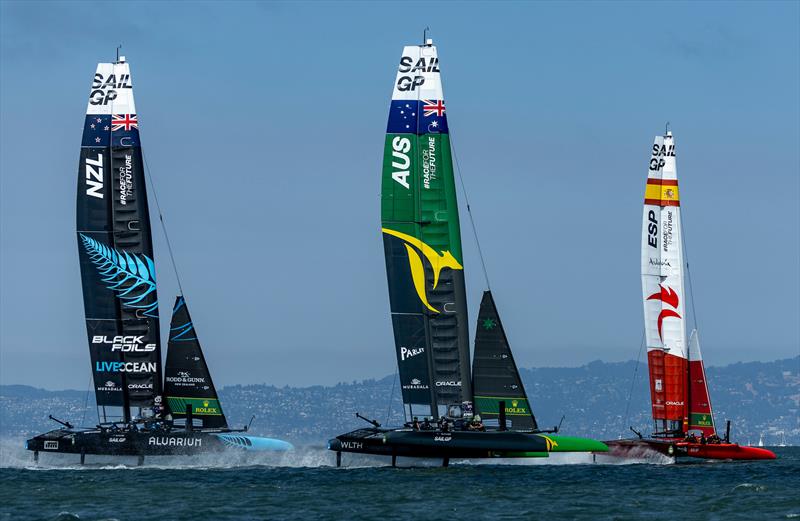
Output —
(669, 297)
(438, 262)
(551, 443)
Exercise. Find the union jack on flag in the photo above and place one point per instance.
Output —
(433, 107)
(124, 122)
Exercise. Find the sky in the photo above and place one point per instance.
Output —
(263, 127)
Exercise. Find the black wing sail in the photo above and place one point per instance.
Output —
(116, 249)
(187, 379)
(494, 372)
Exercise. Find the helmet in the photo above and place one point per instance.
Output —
(477, 417)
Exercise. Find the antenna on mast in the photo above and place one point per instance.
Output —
(118, 48)
(666, 129)
(425, 36)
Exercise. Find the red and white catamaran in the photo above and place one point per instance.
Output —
(683, 418)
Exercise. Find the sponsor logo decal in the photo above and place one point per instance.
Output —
(437, 260)
(125, 367)
(109, 386)
(138, 387)
(352, 445)
(449, 383)
(517, 408)
(51, 445)
(117, 439)
(125, 344)
(415, 383)
(659, 262)
(669, 297)
(185, 378)
(410, 352)
(659, 385)
(678, 404)
(104, 89)
(443, 437)
(165, 441)
(489, 324)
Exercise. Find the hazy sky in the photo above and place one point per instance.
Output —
(263, 125)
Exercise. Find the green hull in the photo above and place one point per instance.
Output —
(573, 444)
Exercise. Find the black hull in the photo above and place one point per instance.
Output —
(437, 444)
(176, 442)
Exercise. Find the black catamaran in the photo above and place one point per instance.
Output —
(121, 306)
(422, 244)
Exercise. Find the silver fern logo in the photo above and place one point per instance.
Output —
(131, 276)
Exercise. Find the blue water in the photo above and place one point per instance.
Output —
(303, 485)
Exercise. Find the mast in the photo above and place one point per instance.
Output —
(187, 380)
(115, 248)
(422, 241)
(495, 375)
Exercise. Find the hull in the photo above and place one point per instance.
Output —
(458, 444)
(677, 448)
(148, 443)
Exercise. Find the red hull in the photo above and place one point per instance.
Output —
(638, 448)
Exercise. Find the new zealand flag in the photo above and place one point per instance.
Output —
(417, 117)
(100, 129)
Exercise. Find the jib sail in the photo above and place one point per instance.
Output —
(662, 290)
(422, 240)
(115, 247)
(495, 375)
(187, 381)
(701, 416)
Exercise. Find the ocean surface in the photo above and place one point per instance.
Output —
(305, 485)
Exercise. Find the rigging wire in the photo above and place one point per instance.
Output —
(688, 274)
(391, 399)
(633, 380)
(163, 224)
(469, 212)
(86, 400)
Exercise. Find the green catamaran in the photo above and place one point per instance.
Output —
(427, 293)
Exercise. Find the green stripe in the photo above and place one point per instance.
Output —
(200, 406)
(491, 405)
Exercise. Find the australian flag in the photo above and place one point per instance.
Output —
(100, 129)
(417, 117)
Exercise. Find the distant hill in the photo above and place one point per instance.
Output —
(759, 397)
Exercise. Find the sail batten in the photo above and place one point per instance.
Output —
(422, 239)
(115, 247)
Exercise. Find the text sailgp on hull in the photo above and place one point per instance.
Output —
(427, 295)
(681, 406)
(121, 306)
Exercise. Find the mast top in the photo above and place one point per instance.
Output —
(426, 42)
(667, 131)
(120, 59)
